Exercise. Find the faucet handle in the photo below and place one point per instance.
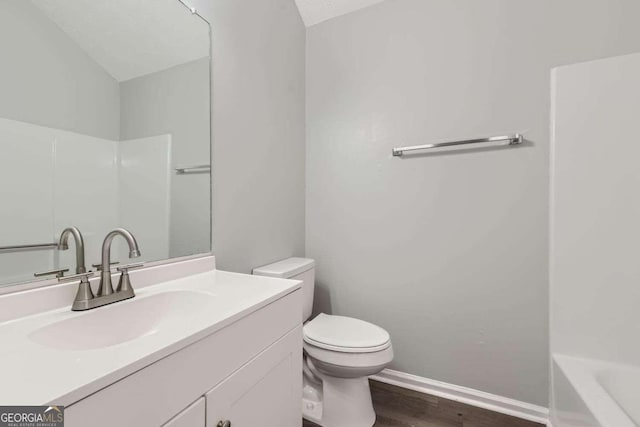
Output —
(58, 273)
(124, 285)
(126, 268)
(84, 294)
(82, 276)
(99, 265)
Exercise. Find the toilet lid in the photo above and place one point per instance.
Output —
(347, 334)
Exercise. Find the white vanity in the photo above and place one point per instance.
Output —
(195, 347)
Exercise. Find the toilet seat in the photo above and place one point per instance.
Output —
(345, 334)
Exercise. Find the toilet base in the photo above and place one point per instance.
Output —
(344, 402)
(312, 411)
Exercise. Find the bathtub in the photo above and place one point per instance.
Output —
(591, 393)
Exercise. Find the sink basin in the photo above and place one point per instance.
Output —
(121, 322)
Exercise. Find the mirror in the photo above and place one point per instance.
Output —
(104, 123)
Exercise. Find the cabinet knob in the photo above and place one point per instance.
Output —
(225, 423)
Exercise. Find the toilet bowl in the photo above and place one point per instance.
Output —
(340, 353)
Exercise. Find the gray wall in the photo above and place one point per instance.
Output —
(46, 79)
(176, 101)
(258, 131)
(447, 252)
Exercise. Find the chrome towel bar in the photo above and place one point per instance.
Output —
(509, 139)
(22, 248)
(193, 169)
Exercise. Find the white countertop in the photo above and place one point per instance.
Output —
(35, 374)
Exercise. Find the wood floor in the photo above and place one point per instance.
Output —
(398, 407)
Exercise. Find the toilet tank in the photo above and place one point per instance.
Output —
(296, 269)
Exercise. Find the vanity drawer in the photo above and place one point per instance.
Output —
(153, 395)
(193, 416)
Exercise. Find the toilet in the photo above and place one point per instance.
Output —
(339, 354)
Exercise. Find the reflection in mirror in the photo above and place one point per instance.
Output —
(101, 103)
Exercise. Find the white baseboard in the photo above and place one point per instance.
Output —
(466, 395)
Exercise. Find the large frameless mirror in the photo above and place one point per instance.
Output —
(104, 123)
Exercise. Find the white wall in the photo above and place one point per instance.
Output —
(176, 102)
(46, 79)
(53, 179)
(85, 183)
(447, 252)
(595, 272)
(78, 180)
(30, 202)
(258, 131)
(144, 195)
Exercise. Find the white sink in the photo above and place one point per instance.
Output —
(125, 321)
(79, 353)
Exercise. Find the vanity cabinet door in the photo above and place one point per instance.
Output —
(193, 416)
(265, 392)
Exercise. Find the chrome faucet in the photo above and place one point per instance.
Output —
(106, 287)
(85, 300)
(63, 245)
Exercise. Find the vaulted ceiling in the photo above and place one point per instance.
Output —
(156, 34)
(316, 11)
(131, 38)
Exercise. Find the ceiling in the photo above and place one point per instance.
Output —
(316, 11)
(131, 38)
